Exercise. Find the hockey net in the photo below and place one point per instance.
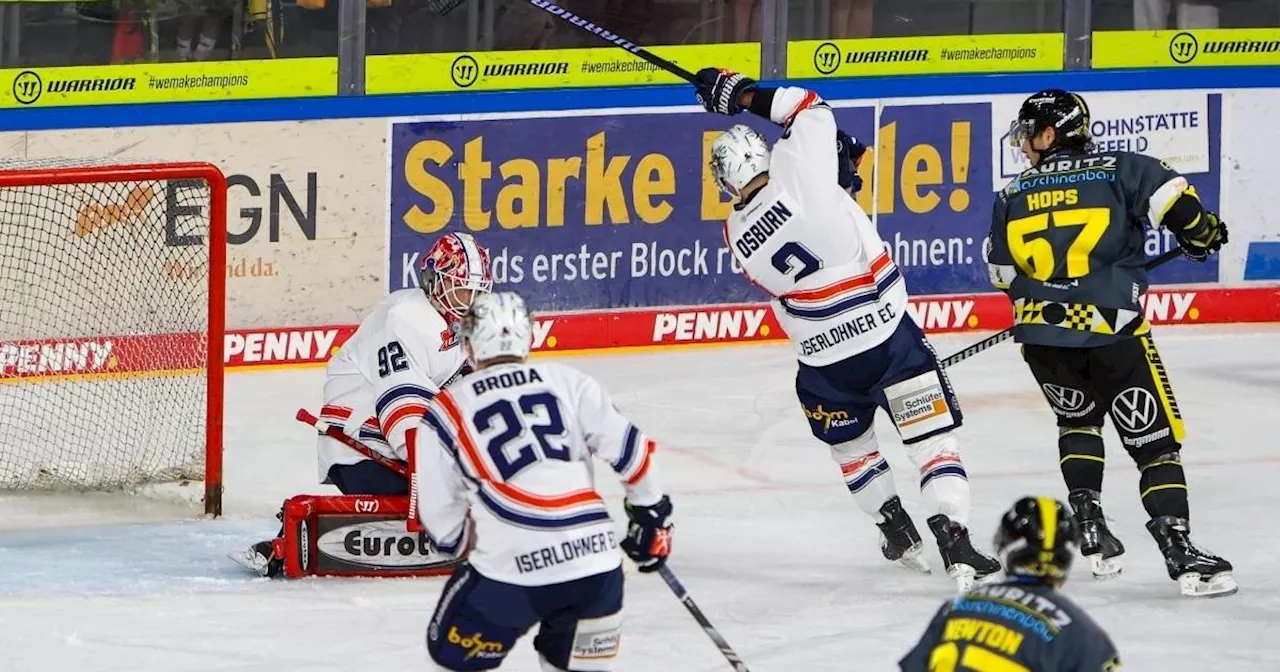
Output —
(111, 325)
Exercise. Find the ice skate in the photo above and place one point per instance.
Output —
(1097, 543)
(899, 540)
(964, 563)
(1198, 572)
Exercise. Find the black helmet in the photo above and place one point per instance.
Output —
(1037, 538)
(1064, 111)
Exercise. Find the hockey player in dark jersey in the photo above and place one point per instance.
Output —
(1021, 624)
(1066, 245)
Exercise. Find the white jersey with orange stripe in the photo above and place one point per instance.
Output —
(805, 241)
(513, 444)
(377, 385)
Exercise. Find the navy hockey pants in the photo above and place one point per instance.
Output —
(840, 399)
(478, 620)
(367, 478)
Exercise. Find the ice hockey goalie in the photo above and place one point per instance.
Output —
(377, 386)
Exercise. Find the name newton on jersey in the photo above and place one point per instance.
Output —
(760, 230)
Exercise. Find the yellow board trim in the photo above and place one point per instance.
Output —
(548, 68)
(168, 82)
(1185, 48)
(943, 54)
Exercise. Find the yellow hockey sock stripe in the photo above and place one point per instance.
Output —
(1075, 456)
(1165, 486)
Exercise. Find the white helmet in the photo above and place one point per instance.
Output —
(737, 156)
(498, 325)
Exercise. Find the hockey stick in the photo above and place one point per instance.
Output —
(332, 432)
(612, 38)
(1005, 335)
(676, 587)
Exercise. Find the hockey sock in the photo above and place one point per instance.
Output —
(943, 481)
(1081, 457)
(866, 473)
(1164, 487)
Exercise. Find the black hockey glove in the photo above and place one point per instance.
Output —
(848, 155)
(721, 90)
(1212, 240)
(649, 535)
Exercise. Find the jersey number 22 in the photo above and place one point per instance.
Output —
(538, 414)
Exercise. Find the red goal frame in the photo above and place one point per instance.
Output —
(144, 172)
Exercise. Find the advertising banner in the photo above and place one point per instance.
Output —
(619, 210)
(304, 232)
(1194, 47)
(578, 212)
(923, 55)
(548, 68)
(559, 333)
(168, 82)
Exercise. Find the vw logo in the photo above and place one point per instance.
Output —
(1067, 398)
(1134, 410)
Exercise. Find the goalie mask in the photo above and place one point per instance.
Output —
(497, 326)
(454, 272)
(738, 156)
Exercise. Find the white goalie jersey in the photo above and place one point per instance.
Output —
(378, 383)
(806, 242)
(513, 444)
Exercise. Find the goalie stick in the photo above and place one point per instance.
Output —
(1005, 335)
(735, 661)
(304, 416)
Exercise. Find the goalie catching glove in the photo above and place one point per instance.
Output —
(648, 540)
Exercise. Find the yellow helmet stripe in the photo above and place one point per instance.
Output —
(1049, 520)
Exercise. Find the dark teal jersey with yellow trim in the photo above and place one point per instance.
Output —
(1012, 627)
(1067, 244)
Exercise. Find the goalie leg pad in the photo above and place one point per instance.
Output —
(356, 535)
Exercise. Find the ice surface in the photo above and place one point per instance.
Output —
(768, 541)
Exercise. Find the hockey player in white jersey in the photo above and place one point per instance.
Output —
(378, 383)
(800, 237)
(504, 458)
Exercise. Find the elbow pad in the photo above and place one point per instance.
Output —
(1186, 217)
